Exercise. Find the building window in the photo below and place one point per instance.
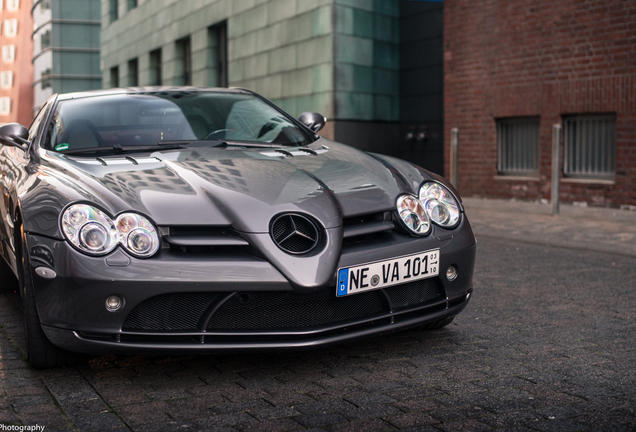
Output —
(132, 4)
(8, 53)
(183, 72)
(112, 10)
(589, 146)
(13, 5)
(217, 55)
(45, 40)
(518, 146)
(183, 67)
(5, 105)
(44, 5)
(133, 73)
(114, 76)
(6, 79)
(10, 27)
(46, 80)
(155, 67)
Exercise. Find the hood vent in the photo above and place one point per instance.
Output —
(296, 151)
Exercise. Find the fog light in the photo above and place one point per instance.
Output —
(451, 273)
(114, 303)
(45, 272)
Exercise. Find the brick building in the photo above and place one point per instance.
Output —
(16, 71)
(512, 69)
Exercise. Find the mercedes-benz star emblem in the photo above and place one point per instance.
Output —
(294, 233)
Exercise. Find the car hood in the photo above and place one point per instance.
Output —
(244, 188)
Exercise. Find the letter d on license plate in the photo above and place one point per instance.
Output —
(381, 274)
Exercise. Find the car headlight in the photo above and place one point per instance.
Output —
(93, 232)
(137, 234)
(89, 229)
(413, 215)
(440, 204)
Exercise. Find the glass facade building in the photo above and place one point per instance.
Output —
(373, 68)
(66, 44)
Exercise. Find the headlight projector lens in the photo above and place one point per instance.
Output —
(413, 215)
(440, 204)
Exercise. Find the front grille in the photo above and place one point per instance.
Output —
(277, 310)
(272, 310)
(414, 293)
(169, 312)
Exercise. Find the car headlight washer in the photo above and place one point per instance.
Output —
(440, 204)
(95, 233)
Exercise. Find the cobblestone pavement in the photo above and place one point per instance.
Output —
(548, 343)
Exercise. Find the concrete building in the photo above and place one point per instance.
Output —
(16, 72)
(512, 69)
(372, 67)
(65, 47)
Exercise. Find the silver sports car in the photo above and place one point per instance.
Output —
(183, 220)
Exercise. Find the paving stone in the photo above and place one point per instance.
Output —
(128, 395)
(371, 398)
(370, 411)
(99, 422)
(85, 409)
(281, 424)
(140, 414)
(324, 406)
(464, 425)
(320, 419)
(403, 421)
(273, 413)
(236, 407)
(556, 425)
(362, 426)
(217, 421)
(192, 408)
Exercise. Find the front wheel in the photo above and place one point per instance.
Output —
(41, 353)
(8, 281)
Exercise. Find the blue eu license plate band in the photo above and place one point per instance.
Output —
(386, 273)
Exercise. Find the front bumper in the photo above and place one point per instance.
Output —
(73, 313)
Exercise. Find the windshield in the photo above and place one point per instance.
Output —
(152, 119)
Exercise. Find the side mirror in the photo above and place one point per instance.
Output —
(313, 121)
(15, 135)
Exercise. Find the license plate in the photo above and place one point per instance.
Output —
(381, 274)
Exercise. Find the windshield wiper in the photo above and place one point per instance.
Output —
(167, 145)
(226, 143)
(119, 149)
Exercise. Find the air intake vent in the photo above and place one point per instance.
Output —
(295, 234)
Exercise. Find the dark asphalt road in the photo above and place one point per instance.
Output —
(548, 343)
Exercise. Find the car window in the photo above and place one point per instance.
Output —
(35, 124)
(155, 117)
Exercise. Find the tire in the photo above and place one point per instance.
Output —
(8, 281)
(41, 353)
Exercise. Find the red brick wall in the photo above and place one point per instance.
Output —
(547, 58)
(21, 93)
